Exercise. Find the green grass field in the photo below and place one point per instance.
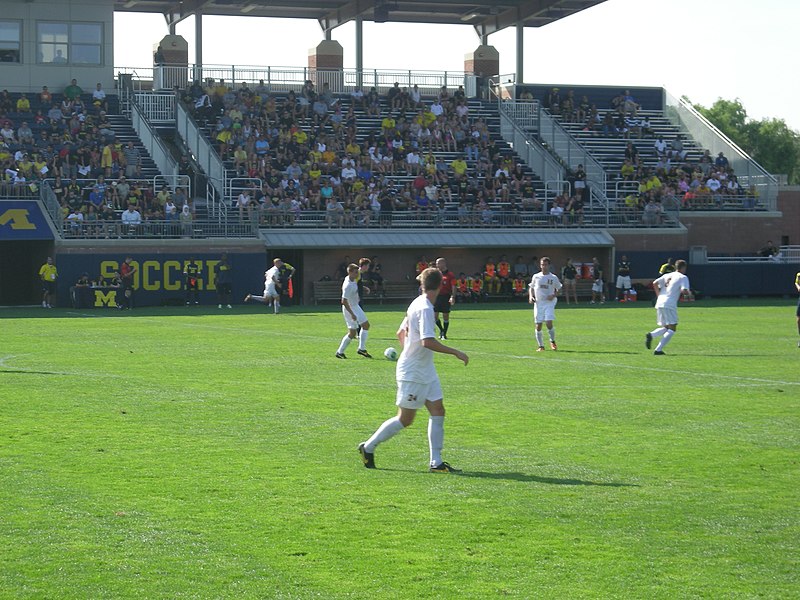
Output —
(196, 453)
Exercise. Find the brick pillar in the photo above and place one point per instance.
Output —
(483, 62)
(176, 54)
(325, 64)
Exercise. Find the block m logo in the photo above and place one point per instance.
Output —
(17, 217)
(102, 298)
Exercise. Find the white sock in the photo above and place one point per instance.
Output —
(436, 439)
(277, 306)
(345, 343)
(539, 338)
(362, 339)
(665, 340)
(386, 431)
(658, 331)
(552, 333)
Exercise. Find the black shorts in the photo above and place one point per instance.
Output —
(442, 304)
(798, 308)
(49, 287)
(224, 288)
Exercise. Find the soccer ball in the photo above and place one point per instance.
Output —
(390, 354)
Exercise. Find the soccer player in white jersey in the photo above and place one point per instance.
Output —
(354, 316)
(272, 283)
(417, 382)
(669, 288)
(543, 293)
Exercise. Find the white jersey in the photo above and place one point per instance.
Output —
(272, 277)
(544, 286)
(416, 361)
(670, 287)
(350, 292)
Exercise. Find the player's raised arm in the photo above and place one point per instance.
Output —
(403, 331)
(437, 346)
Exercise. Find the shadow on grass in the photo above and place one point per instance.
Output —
(560, 351)
(16, 372)
(524, 477)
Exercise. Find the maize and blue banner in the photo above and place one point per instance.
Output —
(23, 220)
(158, 279)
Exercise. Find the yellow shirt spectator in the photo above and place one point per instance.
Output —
(23, 105)
(353, 148)
(300, 136)
(459, 166)
(388, 124)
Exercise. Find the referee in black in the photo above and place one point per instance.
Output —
(445, 299)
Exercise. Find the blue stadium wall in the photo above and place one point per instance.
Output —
(159, 279)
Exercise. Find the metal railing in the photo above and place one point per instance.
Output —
(158, 107)
(200, 146)
(749, 173)
(290, 78)
(452, 218)
(553, 135)
(157, 229)
(786, 255)
(526, 146)
(152, 142)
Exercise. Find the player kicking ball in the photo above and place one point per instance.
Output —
(669, 288)
(272, 283)
(543, 294)
(354, 316)
(417, 382)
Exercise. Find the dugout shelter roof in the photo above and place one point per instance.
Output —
(297, 239)
(486, 16)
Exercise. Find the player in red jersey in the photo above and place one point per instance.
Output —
(445, 299)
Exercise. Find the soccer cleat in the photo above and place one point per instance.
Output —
(444, 467)
(648, 340)
(340, 355)
(247, 298)
(553, 346)
(540, 349)
(444, 336)
(659, 353)
(229, 306)
(368, 458)
(219, 305)
(364, 353)
(592, 302)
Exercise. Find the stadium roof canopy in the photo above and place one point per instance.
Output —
(442, 238)
(486, 16)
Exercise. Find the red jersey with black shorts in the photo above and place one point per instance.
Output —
(442, 303)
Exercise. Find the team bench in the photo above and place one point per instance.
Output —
(392, 291)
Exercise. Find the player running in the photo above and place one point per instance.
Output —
(543, 291)
(272, 284)
(354, 316)
(669, 288)
(417, 382)
(445, 299)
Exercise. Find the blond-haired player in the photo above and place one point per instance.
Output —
(417, 381)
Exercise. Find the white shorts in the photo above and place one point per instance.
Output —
(360, 317)
(624, 282)
(597, 286)
(411, 394)
(544, 311)
(667, 316)
(271, 291)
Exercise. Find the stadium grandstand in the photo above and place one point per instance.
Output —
(184, 159)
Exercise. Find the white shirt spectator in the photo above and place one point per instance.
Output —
(412, 158)
(660, 146)
(132, 217)
(348, 172)
(713, 184)
(416, 97)
(436, 108)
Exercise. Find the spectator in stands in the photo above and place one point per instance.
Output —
(73, 91)
(557, 212)
(652, 213)
(131, 218)
(23, 104)
(186, 221)
(553, 101)
(769, 250)
(99, 98)
(721, 161)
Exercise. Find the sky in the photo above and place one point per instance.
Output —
(703, 49)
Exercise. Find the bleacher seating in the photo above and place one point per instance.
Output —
(498, 211)
(57, 145)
